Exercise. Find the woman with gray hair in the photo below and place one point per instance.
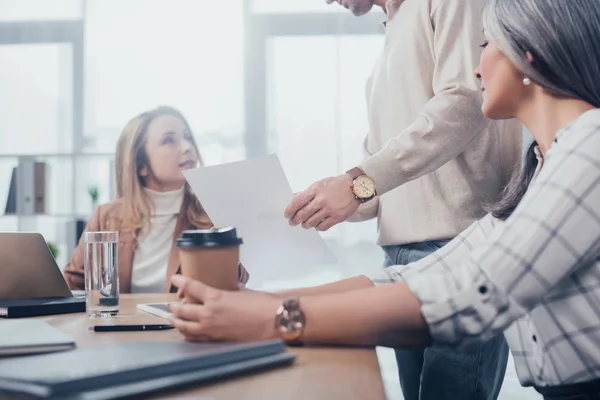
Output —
(530, 268)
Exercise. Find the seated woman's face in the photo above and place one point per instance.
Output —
(170, 150)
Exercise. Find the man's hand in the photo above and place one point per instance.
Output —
(218, 315)
(324, 204)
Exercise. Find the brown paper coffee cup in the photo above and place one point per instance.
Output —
(211, 256)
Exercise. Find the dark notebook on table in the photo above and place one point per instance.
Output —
(131, 369)
(31, 283)
(15, 308)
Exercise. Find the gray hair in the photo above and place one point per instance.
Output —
(563, 36)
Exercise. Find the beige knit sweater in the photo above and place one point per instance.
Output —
(434, 157)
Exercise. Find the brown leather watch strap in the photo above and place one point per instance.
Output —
(355, 172)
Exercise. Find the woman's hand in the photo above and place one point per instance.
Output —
(223, 315)
(75, 279)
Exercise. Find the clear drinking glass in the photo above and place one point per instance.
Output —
(101, 268)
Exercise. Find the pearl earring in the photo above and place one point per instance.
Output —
(526, 81)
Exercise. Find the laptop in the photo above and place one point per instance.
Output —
(31, 283)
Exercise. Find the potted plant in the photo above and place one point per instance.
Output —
(53, 249)
(94, 195)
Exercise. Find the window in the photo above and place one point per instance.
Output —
(315, 120)
(293, 6)
(36, 101)
(184, 53)
(32, 10)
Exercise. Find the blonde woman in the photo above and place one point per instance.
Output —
(154, 203)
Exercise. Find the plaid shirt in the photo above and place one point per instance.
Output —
(535, 277)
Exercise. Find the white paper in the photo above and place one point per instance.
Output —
(252, 196)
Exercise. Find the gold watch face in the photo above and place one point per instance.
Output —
(364, 187)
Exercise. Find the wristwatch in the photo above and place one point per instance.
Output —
(363, 186)
(290, 321)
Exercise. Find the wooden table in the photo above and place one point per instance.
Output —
(318, 373)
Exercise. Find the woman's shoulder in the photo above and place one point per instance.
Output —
(110, 211)
(584, 130)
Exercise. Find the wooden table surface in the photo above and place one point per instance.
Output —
(318, 372)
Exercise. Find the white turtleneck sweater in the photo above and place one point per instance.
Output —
(154, 244)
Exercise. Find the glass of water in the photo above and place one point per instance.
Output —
(101, 271)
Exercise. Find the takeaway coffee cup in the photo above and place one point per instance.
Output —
(211, 256)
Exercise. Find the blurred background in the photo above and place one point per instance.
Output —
(253, 77)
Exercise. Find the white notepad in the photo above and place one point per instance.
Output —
(19, 337)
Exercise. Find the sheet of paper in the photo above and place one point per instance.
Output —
(252, 195)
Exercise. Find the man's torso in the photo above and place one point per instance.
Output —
(443, 203)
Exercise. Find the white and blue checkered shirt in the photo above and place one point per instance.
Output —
(535, 277)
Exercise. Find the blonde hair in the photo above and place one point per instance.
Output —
(131, 157)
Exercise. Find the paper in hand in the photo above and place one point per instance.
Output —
(252, 195)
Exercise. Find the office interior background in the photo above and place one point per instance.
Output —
(253, 77)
